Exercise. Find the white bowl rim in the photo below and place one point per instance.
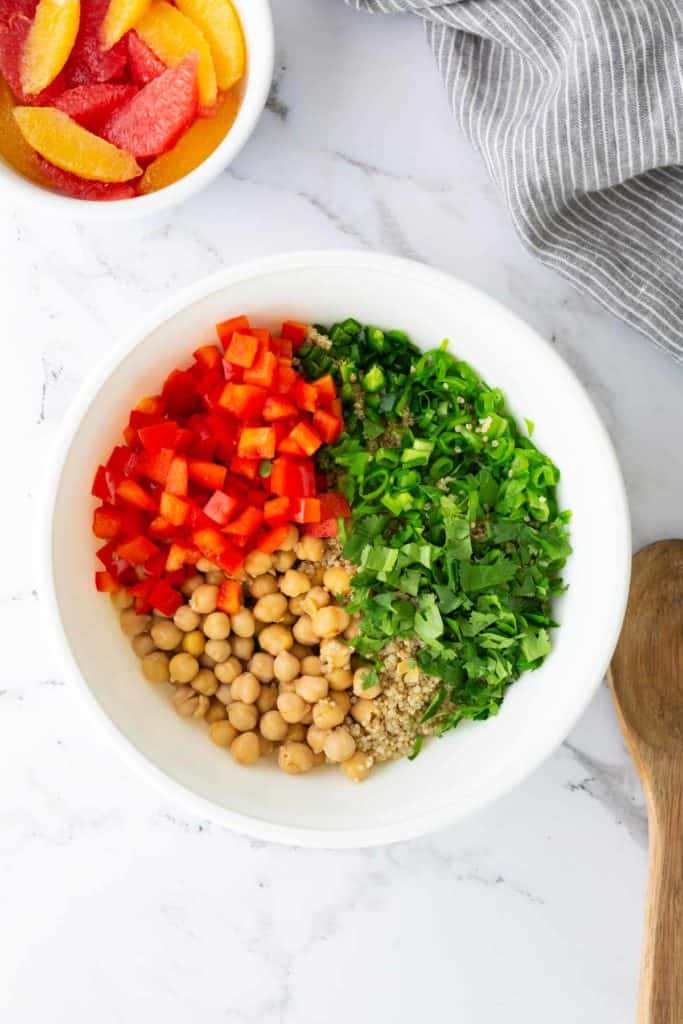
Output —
(54, 204)
(543, 743)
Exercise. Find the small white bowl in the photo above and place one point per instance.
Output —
(257, 24)
(468, 767)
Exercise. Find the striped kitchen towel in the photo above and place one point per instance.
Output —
(577, 109)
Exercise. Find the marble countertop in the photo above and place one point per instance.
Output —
(119, 907)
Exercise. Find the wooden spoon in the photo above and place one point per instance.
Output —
(646, 676)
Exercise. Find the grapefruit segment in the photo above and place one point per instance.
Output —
(90, 62)
(49, 43)
(13, 34)
(219, 22)
(143, 63)
(92, 105)
(171, 36)
(68, 146)
(14, 148)
(81, 188)
(158, 114)
(121, 16)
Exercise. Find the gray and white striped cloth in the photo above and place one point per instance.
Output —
(577, 109)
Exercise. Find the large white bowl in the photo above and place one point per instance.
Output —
(465, 769)
(257, 24)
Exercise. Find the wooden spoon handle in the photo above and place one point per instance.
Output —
(661, 984)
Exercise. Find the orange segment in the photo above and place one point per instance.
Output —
(198, 142)
(65, 144)
(172, 36)
(49, 43)
(220, 23)
(121, 16)
(14, 148)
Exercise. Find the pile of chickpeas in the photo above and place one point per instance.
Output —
(279, 675)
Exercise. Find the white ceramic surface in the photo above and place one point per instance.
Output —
(257, 24)
(479, 761)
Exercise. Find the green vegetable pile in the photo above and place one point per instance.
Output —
(455, 528)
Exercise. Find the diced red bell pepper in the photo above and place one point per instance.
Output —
(333, 505)
(152, 405)
(285, 378)
(329, 427)
(123, 461)
(229, 599)
(282, 347)
(245, 467)
(158, 436)
(156, 465)
(287, 446)
(141, 591)
(294, 332)
(305, 510)
(245, 401)
(107, 522)
(208, 474)
(256, 443)
(306, 396)
(197, 519)
(326, 389)
(294, 478)
(262, 370)
(176, 480)
(137, 550)
(156, 563)
(306, 438)
(214, 546)
(272, 540)
(325, 528)
(208, 356)
(104, 485)
(105, 583)
(276, 510)
(164, 598)
(130, 436)
(176, 510)
(247, 523)
(133, 494)
(227, 328)
(276, 408)
(220, 507)
(180, 394)
(242, 349)
(179, 555)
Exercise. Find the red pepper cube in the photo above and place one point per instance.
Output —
(305, 510)
(246, 523)
(245, 467)
(272, 540)
(107, 522)
(306, 396)
(177, 477)
(256, 443)
(227, 328)
(329, 427)
(325, 528)
(242, 349)
(287, 446)
(306, 438)
(161, 527)
(133, 494)
(325, 387)
(245, 401)
(104, 485)
(158, 436)
(130, 436)
(283, 347)
(276, 408)
(208, 356)
(276, 510)
(180, 393)
(138, 550)
(220, 507)
(156, 465)
(123, 461)
(180, 554)
(208, 474)
(164, 598)
(334, 505)
(293, 478)
(105, 583)
(285, 378)
(294, 331)
(229, 599)
(262, 370)
(174, 509)
(155, 564)
(152, 405)
(214, 546)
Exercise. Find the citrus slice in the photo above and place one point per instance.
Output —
(14, 148)
(93, 105)
(81, 188)
(49, 43)
(90, 62)
(171, 35)
(121, 16)
(220, 23)
(65, 144)
(144, 65)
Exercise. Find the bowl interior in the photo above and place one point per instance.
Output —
(477, 761)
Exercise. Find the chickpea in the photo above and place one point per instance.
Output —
(217, 650)
(257, 562)
(283, 560)
(155, 667)
(294, 583)
(143, 645)
(270, 608)
(204, 598)
(121, 599)
(224, 693)
(205, 682)
(312, 688)
(165, 635)
(311, 666)
(186, 618)
(316, 737)
(274, 639)
(303, 631)
(267, 699)
(353, 628)
(227, 671)
(246, 749)
(299, 651)
(286, 667)
(216, 626)
(339, 745)
(243, 647)
(204, 565)
(190, 585)
(262, 586)
(246, 688)
(215, 578)
(222, 733)
(334, 654)
(328, 622)
(340, 678)
(317, 597)
(357, 767)
(243, 623)
(133, 624)
(292, 707)
(337, 580)
(183, 668)
(363, 711)
(296, 606)
(310, 549)
(216, 712)
(261, 666)
(193, 642)
(359, 688)
(273, 726)
(295, 758)
(189, 704)
(327, 713)
(243, 716)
